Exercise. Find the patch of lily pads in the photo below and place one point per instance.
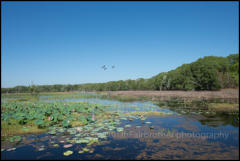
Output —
(82, 123)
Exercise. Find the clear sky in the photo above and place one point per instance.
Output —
(69, 42)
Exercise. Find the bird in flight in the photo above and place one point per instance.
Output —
(104, 67)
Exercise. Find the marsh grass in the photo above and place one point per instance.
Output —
(200, 104)
(121, 98)
(224, 106)
(12, 127)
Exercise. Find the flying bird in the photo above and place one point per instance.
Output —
(104, 67)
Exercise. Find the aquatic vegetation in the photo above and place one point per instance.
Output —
(65, 96)
(55, 145)
(199, 105)
(41, 148)
(120, 98)
(224, 107)
(67, 153)
(83, 125)
(15, 138)
(81, 151)
(39, 113)
(127, 125)
(87, 123)
(12, 127)
(119, 129)
(68, 146)
(85, 149)
(148, 122)
(80, 141)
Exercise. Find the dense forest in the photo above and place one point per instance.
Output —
(208, 73)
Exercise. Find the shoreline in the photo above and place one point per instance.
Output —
(224, 94)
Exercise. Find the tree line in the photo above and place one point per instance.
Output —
(207, 73)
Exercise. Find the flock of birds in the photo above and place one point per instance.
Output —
(105, 68)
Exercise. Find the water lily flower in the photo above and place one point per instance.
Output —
(49, 118)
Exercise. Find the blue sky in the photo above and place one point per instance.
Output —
(68, 42)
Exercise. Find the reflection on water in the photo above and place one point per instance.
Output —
(171, 140)
(176, 136)
(119, 106)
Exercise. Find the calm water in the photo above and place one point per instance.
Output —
(174, 136)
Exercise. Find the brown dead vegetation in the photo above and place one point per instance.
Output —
(224, 93)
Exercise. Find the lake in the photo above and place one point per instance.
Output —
(171, 135)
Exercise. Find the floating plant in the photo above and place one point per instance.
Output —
(67, 153)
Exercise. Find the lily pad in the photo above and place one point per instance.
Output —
(61, 130)
(81, 151)
(119, 129)
(67, 153)
(41, 149)
(143, 118)
(55, 145)
(102, 135)
(85, 149)
(52, 132)
(67, 146)
(81, 141)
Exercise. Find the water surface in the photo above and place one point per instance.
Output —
(174, 136)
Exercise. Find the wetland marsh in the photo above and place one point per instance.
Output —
(90, 126)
